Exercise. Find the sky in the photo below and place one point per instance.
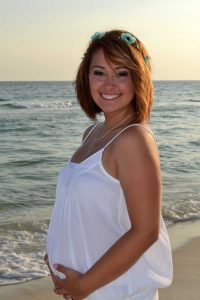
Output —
(45, 39)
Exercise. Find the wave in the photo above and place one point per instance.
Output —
(29, 237)
(23, 163)
(182, 212)
(54, 105)
(177, 219)
(26, 264)
(3, 99)
(195, 143)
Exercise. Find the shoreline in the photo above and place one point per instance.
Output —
(36, 289)
(183, 232)
(185, 242)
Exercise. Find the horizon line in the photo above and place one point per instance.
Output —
(73, 80)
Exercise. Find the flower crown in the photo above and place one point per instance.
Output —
(126, 37)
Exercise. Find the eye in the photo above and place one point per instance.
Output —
(123, 74)
(98, 73)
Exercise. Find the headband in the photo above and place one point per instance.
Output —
(129, 38)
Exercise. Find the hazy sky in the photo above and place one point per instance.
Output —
(45, 39)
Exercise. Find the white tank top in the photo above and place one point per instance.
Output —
(89, 216)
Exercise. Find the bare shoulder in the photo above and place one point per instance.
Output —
(135, 144)
(88, 129)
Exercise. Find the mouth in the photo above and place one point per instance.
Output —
(110, 96)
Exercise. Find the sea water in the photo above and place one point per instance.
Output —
(41, 124)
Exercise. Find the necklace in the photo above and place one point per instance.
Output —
(122, 122)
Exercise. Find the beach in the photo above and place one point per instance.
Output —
(41, 125)
(185, 286)
(186, 283)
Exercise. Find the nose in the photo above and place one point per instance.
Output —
(110, 80)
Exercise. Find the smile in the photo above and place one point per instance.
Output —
(110, 97)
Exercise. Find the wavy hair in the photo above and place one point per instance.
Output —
(118, 52)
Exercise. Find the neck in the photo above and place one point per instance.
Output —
(113, 119)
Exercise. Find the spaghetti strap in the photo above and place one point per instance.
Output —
(127, 128)
(95, 125)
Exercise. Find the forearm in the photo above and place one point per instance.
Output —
(117, 260)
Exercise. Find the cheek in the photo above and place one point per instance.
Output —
(131, 90)
(91, 85)
(94, 85)
(128, 88)
(93, 88)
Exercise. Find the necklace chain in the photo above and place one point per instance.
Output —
(122, 122)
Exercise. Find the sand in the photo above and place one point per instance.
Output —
(38, 289)
(185, 286)
(186, 282)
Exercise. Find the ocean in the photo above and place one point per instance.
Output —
(41, 124)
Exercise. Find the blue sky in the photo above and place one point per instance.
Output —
(45, 39)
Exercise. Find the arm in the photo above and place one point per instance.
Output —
(137, 164)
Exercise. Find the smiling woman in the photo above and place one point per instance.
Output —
(111, 86)
(107, 239)
(129, 58)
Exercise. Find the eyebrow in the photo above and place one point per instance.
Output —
(100, 67)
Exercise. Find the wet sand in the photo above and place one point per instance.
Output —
(186, 282)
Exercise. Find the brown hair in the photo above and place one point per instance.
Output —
(133, 58)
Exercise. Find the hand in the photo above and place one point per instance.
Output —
(59, 284)
(70, 285)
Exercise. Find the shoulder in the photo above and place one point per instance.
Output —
(135, 144)
(87, 131)
(135, 136)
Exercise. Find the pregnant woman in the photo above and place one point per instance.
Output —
(107, 239)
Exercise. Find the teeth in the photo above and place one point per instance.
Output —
(110, 97)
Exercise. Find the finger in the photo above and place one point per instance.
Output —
(60, 282)
(60, 268)
(60, 291)
(56, 284)
(57, 281)
(67, 297)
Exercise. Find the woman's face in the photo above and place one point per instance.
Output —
(111, 85)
